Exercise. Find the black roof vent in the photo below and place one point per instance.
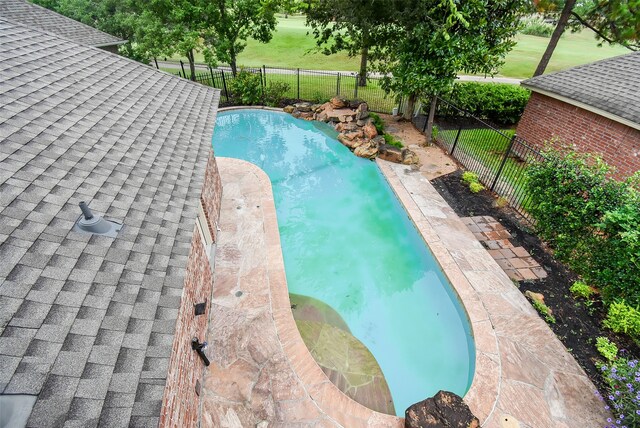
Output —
(95, 224)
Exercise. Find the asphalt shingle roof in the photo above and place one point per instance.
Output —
(86, 322)
(611, 85)
(35, 16)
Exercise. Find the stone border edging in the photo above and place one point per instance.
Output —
(327, 397)
(485, 382)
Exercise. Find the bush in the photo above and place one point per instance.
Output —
(469, 177)
(476, 187)
(580, 289)
(623, 380)
(246, 88)
(500, 103)
(377, 122)
(606, 348)
(392, 141)
(590, 220)
(535, 26)
(622, 318)
(275, 93)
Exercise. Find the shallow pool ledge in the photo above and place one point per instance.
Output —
(260, 368)
(522, 370)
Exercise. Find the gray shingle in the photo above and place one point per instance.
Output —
(611, 85)
(77, 312)
(35, 16)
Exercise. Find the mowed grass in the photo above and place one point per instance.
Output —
(293, 42)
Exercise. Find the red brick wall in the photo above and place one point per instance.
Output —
(180, 402)
(211, 195)
(546, 118)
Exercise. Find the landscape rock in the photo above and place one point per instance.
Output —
(345, 127)
(354, 104)
(443, 410)
(370, 130)
(362, 111)
(351, 143)
(296, 113)
(304, 106)
(409, 157)
(288, 109)
(390, 153)
(367, 150)
(536, 297)
(337, 102)
(308, 115)
(322, 116)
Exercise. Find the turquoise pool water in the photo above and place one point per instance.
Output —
(347, 241)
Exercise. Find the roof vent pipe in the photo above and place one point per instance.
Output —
(95, 224)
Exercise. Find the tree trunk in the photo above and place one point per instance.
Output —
(432, 113)
(362, 78)
(555, 37)
(192, 65)
(234, 67)
(411, 105)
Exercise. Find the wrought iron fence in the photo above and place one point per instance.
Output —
(498, 156)
(302, 84)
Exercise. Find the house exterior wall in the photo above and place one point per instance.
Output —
(180, 400)
(545, 118)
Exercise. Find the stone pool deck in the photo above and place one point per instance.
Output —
(261, 373)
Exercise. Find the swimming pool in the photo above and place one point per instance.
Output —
(347, 242)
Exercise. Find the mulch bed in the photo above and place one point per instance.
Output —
(577, 324)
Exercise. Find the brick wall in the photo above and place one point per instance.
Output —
(546, 117)
(211, 195)
(180, 401)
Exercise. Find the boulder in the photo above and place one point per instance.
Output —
(316, 107)
(352, 135)
(443, 410)
(303, 106)
(536, 297)
(354, 104)
(367, 150)
(288, 109)
(322, 116)
(296, 113)
(370, 130)
(390, 153)
(338, 102)
(351, 143)
(362, 112)
(308, 115)
(340, 115)
(344, 126)
(409, 157)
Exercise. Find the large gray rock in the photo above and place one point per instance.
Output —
(409, 157)
(443, 410)
(390, 153)
(303, 106)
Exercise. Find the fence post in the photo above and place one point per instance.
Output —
(264, 73)
(213, 83)
(260, 70)
(224, 84)
(355, 94)
(298, 73)
(504, 161)
(182, 67)
(156, 61)
(338, 85)
(455, 142)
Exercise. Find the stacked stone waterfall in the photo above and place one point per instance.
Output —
(355, 127)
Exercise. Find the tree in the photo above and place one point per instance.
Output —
(351, 26)
(613, 21)
(431, 41)
(232, 23)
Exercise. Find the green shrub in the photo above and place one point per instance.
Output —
(500, 103)
(246, 88)
(318, 98)
(623, 381)
(580, 289)
(476, 187)
(275, 93)
(377, 122)
(469, 177)
(622, 318)
(591, 221)
(606, 348)
(544, 311)
(536, 27)
(392, 141)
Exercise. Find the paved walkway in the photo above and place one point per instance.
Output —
(261, 373)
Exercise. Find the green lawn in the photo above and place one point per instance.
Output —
(291, 44)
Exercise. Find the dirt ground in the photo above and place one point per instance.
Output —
(578, 322)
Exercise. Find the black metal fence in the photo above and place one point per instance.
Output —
(302, 84)
(498, 156)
